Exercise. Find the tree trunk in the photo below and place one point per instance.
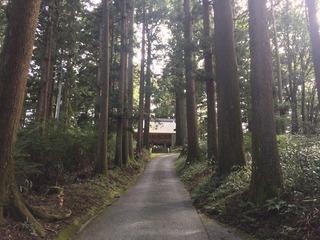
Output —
(141, 88)
(69, 80)
(16, 57)
(44, 107)
(180, 115)
(291, 75)
(302, 78)
(303, 106)
(104, 69)
(148, 93)
(193, 138)
(315, 39)
(278, 62)
(130, 76)
(120, 154)
(210, 87)
(230, 139)
(124, 70)
(266, 180)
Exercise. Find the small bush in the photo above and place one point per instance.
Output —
(301, 163)
(293, 216)
(50, 156)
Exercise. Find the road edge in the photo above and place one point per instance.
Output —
(71, 230)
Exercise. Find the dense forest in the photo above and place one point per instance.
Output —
(82, 80)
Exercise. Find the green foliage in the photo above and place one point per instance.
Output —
(192, 172)
(247, 142)
(60, 151)
(281, 124)
(292, 216)
(301, 163)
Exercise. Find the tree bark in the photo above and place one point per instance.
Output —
(104, 69)
(148, 92)
(130, 76)
(291, 75)
(120, 155)
(180, 115)
(210, 85)
(69, 80)
(230, 139)
(141, 88)
(45, 99)
(192, 123)
(315, 39)
(278, 62)
(125, 140)
(266, 180)
(16, 57)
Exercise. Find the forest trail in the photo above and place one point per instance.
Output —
(157, 207)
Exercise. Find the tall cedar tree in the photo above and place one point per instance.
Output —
(47, 63)
(278, 62)
(180, 113)
(104, 73)
(315, 39)
(142, 80)
(16, 57)
(180, 84)
(130, 75)
(266, 180)
(121, 141)
(230, 139)
(125, 139)
(292, 80)
(69, 79)
(210, 85)
(148, 92)
(193, 140)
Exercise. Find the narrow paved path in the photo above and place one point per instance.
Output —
(157, 208)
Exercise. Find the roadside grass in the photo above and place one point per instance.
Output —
(294, 216)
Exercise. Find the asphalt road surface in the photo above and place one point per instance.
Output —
(157, 208)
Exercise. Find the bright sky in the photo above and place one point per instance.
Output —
(164, 35)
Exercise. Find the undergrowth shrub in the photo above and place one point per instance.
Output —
(301, 163)
(293, 216)
(50, 157)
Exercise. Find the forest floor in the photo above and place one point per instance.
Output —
(84, 199)
(294, 216)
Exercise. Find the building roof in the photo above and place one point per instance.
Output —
(163, 126)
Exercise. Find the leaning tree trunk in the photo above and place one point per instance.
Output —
(148, 90)
(230, 139)
(315, 39)
(141, 87)
(120, 153)
(16, 57)
(266, 180)
(130, 76)
(104, 72)
(210, 87)
(193, 138)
